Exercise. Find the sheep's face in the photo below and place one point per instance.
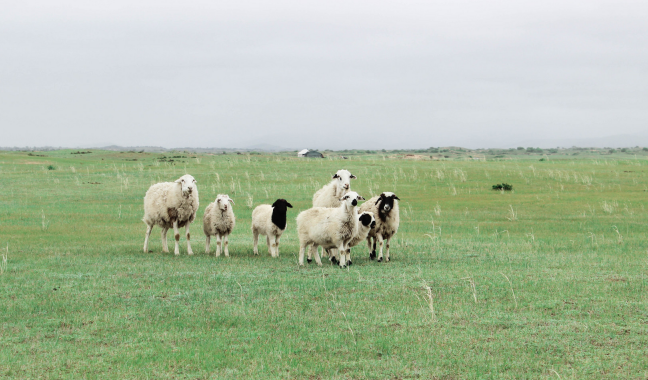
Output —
(223, 201)
(386, 201)
(367, 219)
(281, 203)
(351, 199)
(343, 179)
(188, 184)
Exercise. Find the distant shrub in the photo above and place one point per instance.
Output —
(503, 186)
(624, 150)
(612, 150)
(534, 150)
(51, 167)
(520, 148)
(543, 159)
(552, 150)
(645, 149)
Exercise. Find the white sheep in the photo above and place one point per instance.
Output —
(270, 221)
(171, 205)
(366, 222)
(331, 193)
(329, 227)
(385, 206)
(219, 221)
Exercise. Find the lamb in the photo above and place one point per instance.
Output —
(330, 194)
(270, 221)
(329, 227)
(171, 205)
(386, 207)
(219, 221)
(366, 222)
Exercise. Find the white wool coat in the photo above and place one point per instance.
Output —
(389, 226)
(217, 221)
(164, 204)
(262, 222)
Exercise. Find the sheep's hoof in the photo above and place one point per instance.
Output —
(380, 260)
(372, 255)
(342, 266)
(309, 260)
(387, 260)
(349, 263)
(334, 260)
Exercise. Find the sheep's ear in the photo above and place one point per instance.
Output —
(289, 205)
(194, 181)
(179, 180)
(397, 198)
(360, 198)
(353, 177)
(335, 176)
(378, 201)
(231, 200)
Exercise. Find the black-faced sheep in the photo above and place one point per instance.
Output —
(270, 221)
(171, 205)
(329, 227)
(385, 206)
(219, 221)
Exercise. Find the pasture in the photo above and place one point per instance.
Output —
(546, 281)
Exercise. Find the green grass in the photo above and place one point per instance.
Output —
(79, 298)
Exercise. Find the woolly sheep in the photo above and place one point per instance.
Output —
(219, 221)
(270, 221)
(366, 221)
(330, 194)
(329, 227)
(171, 205)
(385, 206)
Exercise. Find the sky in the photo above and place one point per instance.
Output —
(323, 74)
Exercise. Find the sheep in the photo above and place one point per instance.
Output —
(329, 227)
(219, 221)
(366, 222)
(171, 205)
(270, 221)
(330, 194)
(386, 207)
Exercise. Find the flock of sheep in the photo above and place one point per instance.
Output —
(335, 222)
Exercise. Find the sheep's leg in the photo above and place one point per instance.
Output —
(268, 244)
(149, 228)
(218, 245)
(277, 248)
(302, 247)
(207, 241)
(317, 258)
(225, 245)
(333, 255)
(165, 245)
(372, 249)
(387, 249)
(189, 251)
(310, 252)
(255, 236)
(176, 232)
(348, 256)
(380, 243)
(342, 256)
(273, 246)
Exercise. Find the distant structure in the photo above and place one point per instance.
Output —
(310, 153)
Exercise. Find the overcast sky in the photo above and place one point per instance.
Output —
(321, 74)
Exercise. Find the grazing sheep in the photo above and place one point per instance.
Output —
(366, 222)
(329, 227)
(330, 194)
(386, 207)
(219, 221)
(270, 221)
(171, 205)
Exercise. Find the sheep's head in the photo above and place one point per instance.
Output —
(351, 199)
(188, 184)
(367, 219)
(386, 201)
(343, 179)
(281, 203)
(223, 201)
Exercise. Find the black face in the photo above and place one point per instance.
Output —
(373, 224)
(385, 204)
(354, 202)
(281, 203)
(365, 219)
(279, 209)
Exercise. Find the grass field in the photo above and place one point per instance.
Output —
(546, 281)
